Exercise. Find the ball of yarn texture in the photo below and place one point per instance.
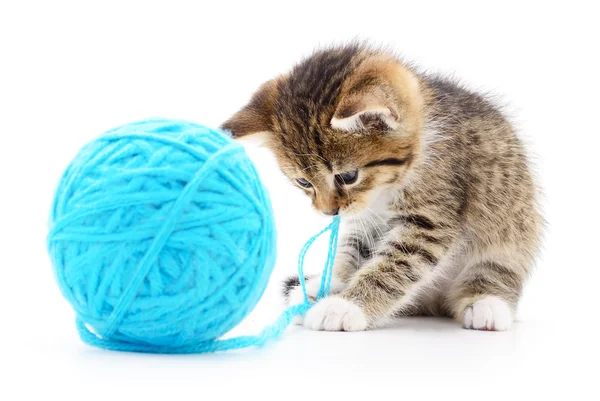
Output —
(161, 235)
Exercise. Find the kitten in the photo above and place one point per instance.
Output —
(438, 204)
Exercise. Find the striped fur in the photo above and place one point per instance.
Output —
(444, 212)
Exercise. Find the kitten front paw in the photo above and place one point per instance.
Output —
(335, 314)
(490, 313)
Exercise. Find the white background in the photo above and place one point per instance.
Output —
(69, 71)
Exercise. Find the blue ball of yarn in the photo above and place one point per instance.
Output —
(161, 235)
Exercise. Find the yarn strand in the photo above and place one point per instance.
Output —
(334, 228)
(267, 334)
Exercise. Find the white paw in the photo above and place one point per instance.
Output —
(489, 313)
(313, 285)
(335, 314)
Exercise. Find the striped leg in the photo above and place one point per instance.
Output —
(355, 248)
(405, 260)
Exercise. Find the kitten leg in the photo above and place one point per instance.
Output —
(346, 265)
(354, 248)
(485, 295)
(404, 263)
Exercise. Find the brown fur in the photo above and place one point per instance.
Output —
(463, 221)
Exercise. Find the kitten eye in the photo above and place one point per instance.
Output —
(349, 177)
(303, 183)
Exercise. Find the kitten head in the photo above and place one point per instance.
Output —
(342, 124)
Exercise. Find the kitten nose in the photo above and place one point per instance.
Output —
(332, 212)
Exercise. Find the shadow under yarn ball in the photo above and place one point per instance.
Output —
(161, 235)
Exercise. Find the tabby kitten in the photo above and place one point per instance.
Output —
(438, 204)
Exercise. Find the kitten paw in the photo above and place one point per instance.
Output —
(490, 313)
(335, 314)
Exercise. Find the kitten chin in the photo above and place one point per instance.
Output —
(440, 211)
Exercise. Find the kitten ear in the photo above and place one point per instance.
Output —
(255, 117)
(365, 112)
